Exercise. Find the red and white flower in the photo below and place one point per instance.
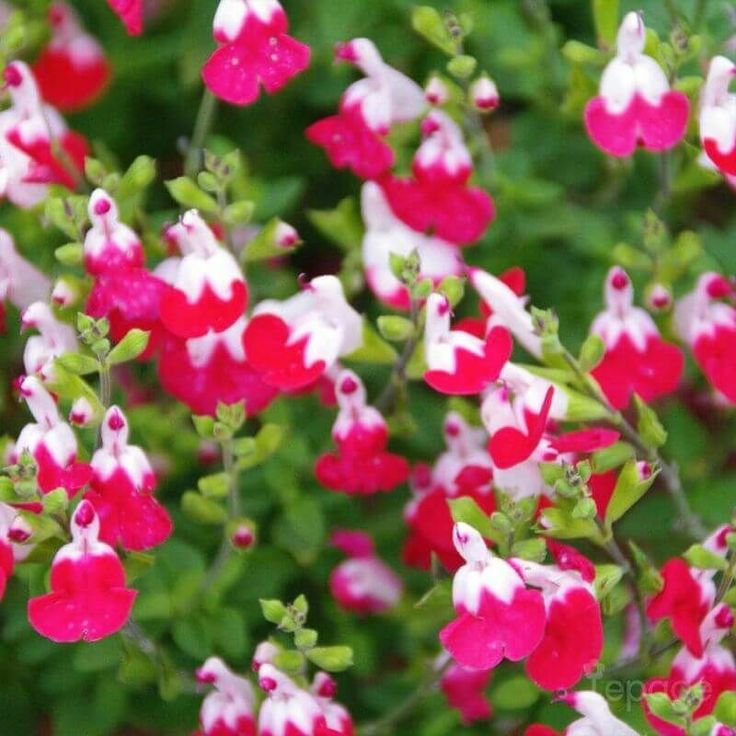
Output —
(386, 234)
(354, 138)
(497, 615)
(72, 71)
(324, 689)
(718, 116)
(27, 130)
(254, 51)
(484, 94)
(204, 371)
(637, 359)
(636, 105)
(8, 554)
(715, 669)
(708, 326)
(436, 92)
(437, 199)
(363, 583)
(50, 441)
(464, 690)
(21, 283)
(130, 13)
(458, 362)
(288, 709)
(361, 464)
(294, 342)
(207, 290)
(121, 490)
(229, 709)
(573, 637)
(88, 599)
(55, 338)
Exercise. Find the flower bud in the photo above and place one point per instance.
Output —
(81, 412)
(436, 92)
(484, 94)
(659, 298)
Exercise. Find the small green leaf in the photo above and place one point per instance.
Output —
(661, 706)
(612, 457)
(462, 67)
(467, 510)
(606, 579)
(202, 510)
(331, 659)
(132, 346)
(725, 710)
(516, 693)
(289, 661)
(305, 639)
(204, 426)
(428, 23)
(704, 559)
(649, 426)
(631, 485)
(214, 486)
(394, 328)
(273, 610)
(534, 550)
(267, 244)
(239, 213)
(374, 350)
(78, 364)
(188, 194)
(71, 254)
(591, 353)
(606, 15)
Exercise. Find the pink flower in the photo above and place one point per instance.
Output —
(718, 116)
(228, 709)
(458, 362)
(130, 13)
(21, 283)
(324, 689)
(122, 490)
(573, 637)
(124, 291)
(363, 583)
(465, 691)
(288, 709)
(55, 338)
(387, 234)
(51, 442)
(207, 290)
(436, 92)
(637, 359)
(72, 70)
(203, 371)
(437, 199)
(354, 138)
(27, 130)
(484, 94)
(636, 105)
(715, 669)
(295, 342)
(7, 549)
(708, 326)
(88, 599)
(254, 50)
(498, 617)
(361, 465)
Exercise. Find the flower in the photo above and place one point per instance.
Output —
(458, 362)
(55, 338)
(294, 342)
(637, 359)
(229, 709)
(498, 617)
(465, 691)
(636, 105)
(363, 583)
(88, 599)
(121, 490)
(484, 94)
(72, 71)
(597, 718)
(130, 13)
(718, 116)
(254, 50)
(337, 718)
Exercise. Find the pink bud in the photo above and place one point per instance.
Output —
(484, 94)
(19, 531)
(724, 619)
(84, 515)
(644, 469)
(286, 236)
(115, 421)
(243, 537)
(719, 287)
(205, 677)
(268, 684)
(12, 75)
(346, 52)
(349, 386)
(327, 687)
(660, 298)
(436, 92)
(81, 412)
(452, 429)
(102, 206)
(63, 294)
(619, 280)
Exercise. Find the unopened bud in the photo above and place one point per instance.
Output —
(659, 298)
(484, 94)
(436, 92)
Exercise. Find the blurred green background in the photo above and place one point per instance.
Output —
(562, 207)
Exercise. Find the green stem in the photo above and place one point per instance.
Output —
(672, 11)
(699, 14)
(664, 167)
(397, 382)
(202, 126)
(668, 471)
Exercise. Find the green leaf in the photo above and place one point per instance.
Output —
(534, 550)
(374, 350)
(289, 661)
(188, 194)
(132, 346)
(467, 510)
(516, 693)
(204, 426)
(606, 15)
(239, 213)
(301, 529)
(606, 579)
(649, 426)
(139, 176)
(394, 328)
(453, 288)
(704, 559)
(661, 706)
(343, 225)
(193, 636)
(331, 659)
(78, 364)
(612, 457)
(591, 353)
(428, 23)
(305, 639)
(462, 67)
(71, 254)
(725, 710)
(202, 510)
(562, 525)
(214, 486)
(273, 610)
(580, 53)
(630, 487)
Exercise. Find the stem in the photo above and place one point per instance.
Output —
(233, 505)
(394, 717)
(202, 126)
(105, 392)
(672, 11)
(668, 471)
(699, 14)
(397, 382)
(664, 167)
